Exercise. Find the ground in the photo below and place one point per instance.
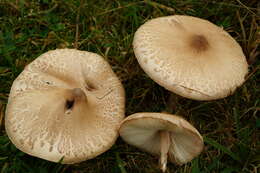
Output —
(230, 126)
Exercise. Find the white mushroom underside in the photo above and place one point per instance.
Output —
(142, 130)
(35, 118)
(161, 48)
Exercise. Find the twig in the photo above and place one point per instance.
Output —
(242, 29)
(100, 98)
(76, 45)
(14, 6)
(246, 7)
(252, 73)
(156, 4)
(254, 39)
(120, 7)
(228, 4)
(49, 10)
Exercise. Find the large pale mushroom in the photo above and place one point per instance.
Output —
(190, 56)
(165, 135)
(67, 104)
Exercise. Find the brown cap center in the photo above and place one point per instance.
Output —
(199, 43)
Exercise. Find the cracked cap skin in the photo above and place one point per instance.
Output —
(190, 56)
(66, 104)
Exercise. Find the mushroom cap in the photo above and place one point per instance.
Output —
(65, 104)
(190, 56)
(142, 130)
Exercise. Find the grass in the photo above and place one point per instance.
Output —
(230, 126)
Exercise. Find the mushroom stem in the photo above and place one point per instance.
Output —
(164, 147)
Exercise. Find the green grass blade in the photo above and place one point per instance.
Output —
(120, 163)
(195, 166)
(222, 148)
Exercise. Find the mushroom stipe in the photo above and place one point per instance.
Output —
(165, 146)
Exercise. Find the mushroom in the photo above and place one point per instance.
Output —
(65, 104)
(190, 56)
(164, 135)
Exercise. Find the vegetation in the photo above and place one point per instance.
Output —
(230, 126)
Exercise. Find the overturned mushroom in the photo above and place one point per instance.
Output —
(190, 57)
(65, 104)
(164, 135)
